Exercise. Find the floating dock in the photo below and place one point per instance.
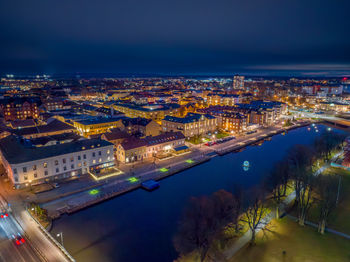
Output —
(150, 185)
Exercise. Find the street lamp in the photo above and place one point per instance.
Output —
(60, 235)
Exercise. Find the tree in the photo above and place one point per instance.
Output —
(226, 208)
(197, 227)
(327, 142)
(304, 198)
(255, 212)
(301, 159)
(277, 183)
(327, 189)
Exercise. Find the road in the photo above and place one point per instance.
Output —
(38, 247)
(9, 251)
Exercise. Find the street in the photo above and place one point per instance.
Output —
(9, 250)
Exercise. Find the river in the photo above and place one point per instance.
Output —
(139, 225)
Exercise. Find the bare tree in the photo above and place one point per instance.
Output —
(300, 160)
(255, 212)
(327, 189)
(274, 184)
(306, 187)
(327, 142)
(225, 208)
(197, 228)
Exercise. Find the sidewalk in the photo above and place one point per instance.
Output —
(327, 229)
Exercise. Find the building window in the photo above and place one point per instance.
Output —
(45, 165)
(94, 161)
(56, 162)
(16, 179)
(64, 160)
(25, 177)
(72, 166)
(93, 154)
(84, 156)
(64, 168)
(34, 167)
(15, 170)
(24, 170)
(35, 175)
(99, 153)
(100, 160)
(72, 159)
(57, 170)
(79, 157)
(46, 173)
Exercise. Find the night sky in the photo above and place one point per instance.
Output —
(308, 37)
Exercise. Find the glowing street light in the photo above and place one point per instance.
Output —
(60, 235)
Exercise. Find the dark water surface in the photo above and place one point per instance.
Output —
(139, 225)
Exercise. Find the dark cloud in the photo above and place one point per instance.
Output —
(183, 36)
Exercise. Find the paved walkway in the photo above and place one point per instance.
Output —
(327, 229)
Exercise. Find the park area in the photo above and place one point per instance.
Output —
(287, 241)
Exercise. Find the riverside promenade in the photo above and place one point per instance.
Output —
(135, 174)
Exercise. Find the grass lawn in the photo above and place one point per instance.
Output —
(221, 135)
(299, 244)
(340, 217)
(196, 140)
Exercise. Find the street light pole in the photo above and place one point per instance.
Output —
(60, 235)
(336, 202)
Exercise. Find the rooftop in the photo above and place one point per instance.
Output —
(54, 125)
(189, 118)
(18, 150)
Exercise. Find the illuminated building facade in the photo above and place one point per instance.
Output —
(19, 108)
(132, 150)
(26, 164)
(191, 125)
(98, 125)
(155, 112)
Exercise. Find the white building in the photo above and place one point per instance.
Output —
(26, 164)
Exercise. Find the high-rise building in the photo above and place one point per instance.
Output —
(238, 82)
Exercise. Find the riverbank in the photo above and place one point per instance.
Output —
(94, 194)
